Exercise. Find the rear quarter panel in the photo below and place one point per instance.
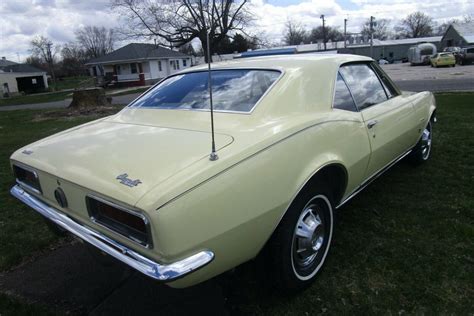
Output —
(235, 212)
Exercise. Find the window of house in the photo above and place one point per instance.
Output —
(133, 68)
(184, 62)
(177, 64)
(365, 86)
(159, 66)
(119, 70)
(342, 96)
(33, 81)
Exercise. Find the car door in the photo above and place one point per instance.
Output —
(388, 116)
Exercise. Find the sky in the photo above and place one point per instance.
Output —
(22, 20)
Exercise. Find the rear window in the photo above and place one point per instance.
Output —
(232, 90)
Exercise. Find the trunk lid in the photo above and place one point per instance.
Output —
(119, 160)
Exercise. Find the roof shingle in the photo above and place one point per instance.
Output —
(136, 51)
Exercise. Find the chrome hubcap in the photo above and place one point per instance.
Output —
(308, 237)
(426, 142)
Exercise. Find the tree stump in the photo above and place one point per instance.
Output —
(90, 97)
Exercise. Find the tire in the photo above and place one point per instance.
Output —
(300, 244)
(422, 150)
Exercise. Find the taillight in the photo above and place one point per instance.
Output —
(128, 223)
(27, 178)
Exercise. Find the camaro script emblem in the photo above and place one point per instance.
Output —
(128, 182)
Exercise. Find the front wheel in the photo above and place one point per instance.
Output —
(422, 151)
(300, 244)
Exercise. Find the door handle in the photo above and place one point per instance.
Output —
(371, 123)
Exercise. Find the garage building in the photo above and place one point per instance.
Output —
(16, 78)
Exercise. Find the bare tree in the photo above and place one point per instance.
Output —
(43, 48)
(96, 41)
(294, 33)
(381, 29)
(177, 22)
(332, 34)
(73, 59)
(416, 24)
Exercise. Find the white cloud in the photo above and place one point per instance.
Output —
(21, 20)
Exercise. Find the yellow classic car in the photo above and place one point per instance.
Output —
(295, 138)
(443, 59)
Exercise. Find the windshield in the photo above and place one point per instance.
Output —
(232, 90)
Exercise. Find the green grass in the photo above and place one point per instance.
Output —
(21, 231)
(72, 83)
(13, 307)
(405, 245)
(36, 98)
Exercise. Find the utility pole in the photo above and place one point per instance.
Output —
(324, 30)
(345, 33)
(50, 62)
(372, 36)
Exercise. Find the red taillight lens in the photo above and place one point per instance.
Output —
(27, 178)
(125, 222)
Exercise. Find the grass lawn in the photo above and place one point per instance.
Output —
(72, 82)
(36, 98)
(405, 245)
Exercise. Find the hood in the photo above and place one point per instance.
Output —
(105, 156)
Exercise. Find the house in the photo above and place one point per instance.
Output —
(138, 64)
(16, 78)
(458, 34)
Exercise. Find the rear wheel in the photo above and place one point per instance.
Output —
(422, 151)
(301, 242)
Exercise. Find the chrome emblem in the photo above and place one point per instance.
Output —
(128, 182)
(27, 152)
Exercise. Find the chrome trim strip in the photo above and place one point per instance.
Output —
(373, 177)
(157, 271)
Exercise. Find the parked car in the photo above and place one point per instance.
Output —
(296, 137)
(383, 61)
(443, 59)
(466, 56)
(452, 49)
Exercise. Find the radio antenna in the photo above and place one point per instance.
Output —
(213, 156)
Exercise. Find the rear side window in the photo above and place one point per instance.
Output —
(342, 96)
(233, 90)
(470, 50)
(386, 82)
(364, 84)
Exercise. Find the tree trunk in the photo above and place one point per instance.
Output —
(90, 97)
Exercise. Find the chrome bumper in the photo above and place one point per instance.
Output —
(161, 272)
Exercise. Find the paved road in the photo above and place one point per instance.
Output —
(71, 280)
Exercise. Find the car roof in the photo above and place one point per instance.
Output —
(283, 62)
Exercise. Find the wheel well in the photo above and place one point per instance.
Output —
(335, 177)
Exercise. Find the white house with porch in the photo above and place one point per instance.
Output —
(138, 64)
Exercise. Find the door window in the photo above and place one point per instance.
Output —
(364, 85)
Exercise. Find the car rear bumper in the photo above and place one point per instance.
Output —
(161, 272)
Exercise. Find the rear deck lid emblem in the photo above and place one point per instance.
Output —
(123, 178)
